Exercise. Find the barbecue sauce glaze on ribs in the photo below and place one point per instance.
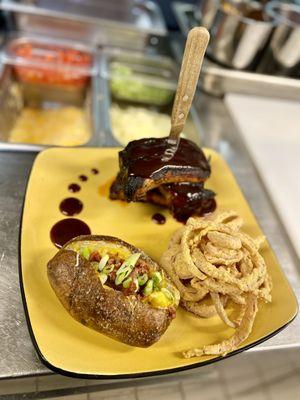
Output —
(177, 183)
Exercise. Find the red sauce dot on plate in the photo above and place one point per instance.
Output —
(159, 218)
(71, 206)
(83, 178)
(74, 187)
(67, 229)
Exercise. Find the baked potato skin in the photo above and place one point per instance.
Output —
(124, 318)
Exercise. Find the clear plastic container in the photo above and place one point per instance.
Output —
(49, 61)
(46, 93)
(140, 99)
(144, 80)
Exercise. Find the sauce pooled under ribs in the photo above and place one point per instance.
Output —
(177, 183)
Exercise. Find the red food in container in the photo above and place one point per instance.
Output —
(38, 61)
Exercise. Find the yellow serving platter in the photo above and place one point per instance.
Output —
(71, 348)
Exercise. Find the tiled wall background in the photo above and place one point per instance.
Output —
(272, 375)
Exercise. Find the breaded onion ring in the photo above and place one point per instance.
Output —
(212, 256)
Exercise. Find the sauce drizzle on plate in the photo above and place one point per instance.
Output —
(74, 187)
(159, 219)
(83, 178)
(71, 206)
(67, 229)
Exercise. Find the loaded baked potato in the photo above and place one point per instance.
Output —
(114, 288)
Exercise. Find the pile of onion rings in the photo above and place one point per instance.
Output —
(212, 262)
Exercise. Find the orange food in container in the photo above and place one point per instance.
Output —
(48, 61)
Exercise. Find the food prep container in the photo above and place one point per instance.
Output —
(283, 53)
(128, 24)
(239, 32)
(206, 10)
(48, 85)
(141, 80)
(40, 60)
(151, 83)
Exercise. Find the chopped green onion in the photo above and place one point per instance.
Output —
(129, 263)
(108, 268)
(142, 279)
(157, 278)
(127, 283)
(126, 269)
(86, 253)
(103, 277)
(148, 288)
(120, 277)
(103, 262)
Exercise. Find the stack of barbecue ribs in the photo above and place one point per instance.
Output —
(175, 182)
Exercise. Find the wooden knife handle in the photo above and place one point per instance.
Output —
(194, 51)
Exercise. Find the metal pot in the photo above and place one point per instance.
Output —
(239, 32)
(283, 53)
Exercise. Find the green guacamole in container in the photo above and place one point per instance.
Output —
(127, 85)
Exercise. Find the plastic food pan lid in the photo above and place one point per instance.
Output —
(143, 74)
(49, 53)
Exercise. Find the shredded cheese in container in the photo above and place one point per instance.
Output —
(132, 123)
(66, 126)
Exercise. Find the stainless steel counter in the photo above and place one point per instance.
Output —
(17, 355)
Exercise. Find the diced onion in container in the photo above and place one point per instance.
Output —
(132, 123)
